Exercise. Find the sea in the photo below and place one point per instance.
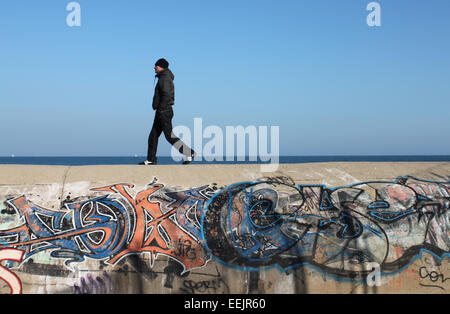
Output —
(134, 160)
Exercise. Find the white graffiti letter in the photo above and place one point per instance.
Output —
(74, 17)
(374, 17)
(373, 279)
(5, 274)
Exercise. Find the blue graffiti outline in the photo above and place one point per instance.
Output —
(318, 268)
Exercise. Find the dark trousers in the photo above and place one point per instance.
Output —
(163, 123)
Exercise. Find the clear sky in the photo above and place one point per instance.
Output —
(334, 85)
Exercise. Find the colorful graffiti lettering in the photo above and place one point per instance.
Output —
(247, 225)
(104, 229)
(263, 224)
(95, 229)
(5, 274)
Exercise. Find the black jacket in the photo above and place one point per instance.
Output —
(164, 91)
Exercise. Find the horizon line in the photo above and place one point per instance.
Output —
(224, 156)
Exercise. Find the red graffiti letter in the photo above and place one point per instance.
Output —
(5, 274)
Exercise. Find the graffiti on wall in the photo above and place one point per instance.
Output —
(264, 224)
(105, 228)
(102, 284)
(247, 225)
(8, 276)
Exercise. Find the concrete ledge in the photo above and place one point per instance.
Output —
(342, 172)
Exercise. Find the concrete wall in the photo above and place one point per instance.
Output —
(307, 228)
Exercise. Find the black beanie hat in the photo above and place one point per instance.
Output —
(162, 63)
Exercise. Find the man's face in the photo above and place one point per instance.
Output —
(158, 69)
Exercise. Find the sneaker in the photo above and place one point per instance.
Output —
(148, 163)
(189, 159)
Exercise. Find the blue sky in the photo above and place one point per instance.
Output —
(334, 85)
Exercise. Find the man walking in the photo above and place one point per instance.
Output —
(163, 101)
